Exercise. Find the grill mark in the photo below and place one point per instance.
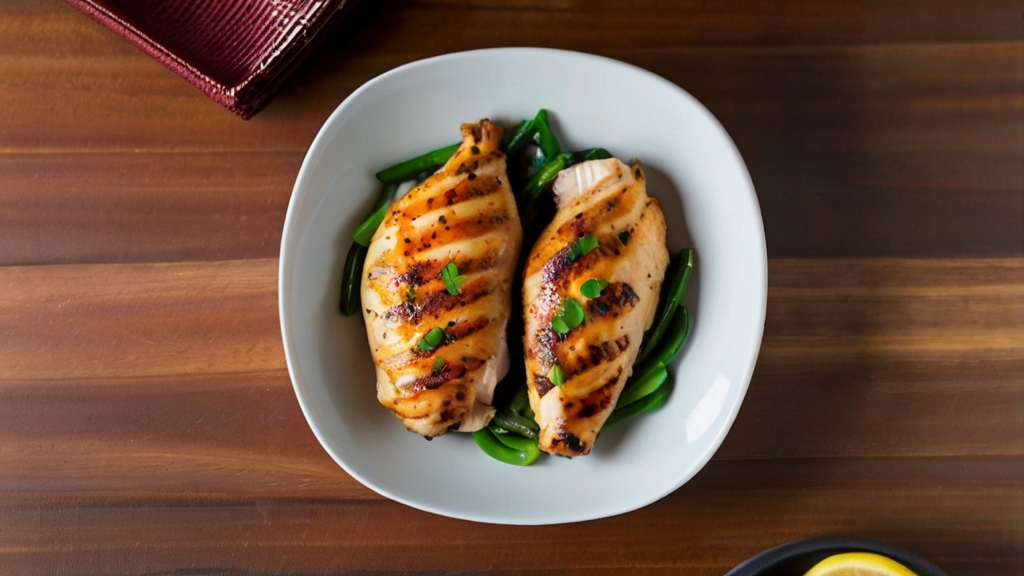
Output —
(434, 380)
(426, 409)
(415, 275)
(606, 351)
(571, 441)
(600, 399)
(555, 271)
(424, 272)
(543, 384)
(451, 372)
(421, 284)
(613, 301)
(602, 211)
(577, 365)
(609, 247)
(465, 329)
(437, 301)
(431, 194)
(404, 312)
(440, 300)
(622, 342)
(458, 228)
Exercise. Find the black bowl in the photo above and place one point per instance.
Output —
(798, 557)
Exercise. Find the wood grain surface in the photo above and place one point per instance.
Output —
(147, 420)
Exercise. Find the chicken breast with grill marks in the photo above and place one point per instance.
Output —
(604, 201)
(439, 355)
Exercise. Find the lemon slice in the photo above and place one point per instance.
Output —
(859, 564)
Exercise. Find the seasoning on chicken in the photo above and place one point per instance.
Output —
(591, 290)
(436, 290)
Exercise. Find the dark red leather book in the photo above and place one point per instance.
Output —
(236, 51)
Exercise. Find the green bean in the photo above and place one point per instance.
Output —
(544, 177)
(580, 156)
(515, 140)
(648, 403)
(671, 342)
(365, 231)
(643, 384)
(515, 424)
(494, 448)
(546, 140)
(517, 442)
(410, 168)
(670, 299)
(350, 279)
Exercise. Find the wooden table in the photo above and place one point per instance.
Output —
(147, 421)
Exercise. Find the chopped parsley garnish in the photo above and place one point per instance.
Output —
(556, 375)
(559, 325)
(431, 341)
(592, 288)
(452, 279)
(570, 316)
(582, 247)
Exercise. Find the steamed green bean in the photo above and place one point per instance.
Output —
(493, 447)
(670, 299)
(350, 279)
(409, 169)
(365, 231)
(645, 384)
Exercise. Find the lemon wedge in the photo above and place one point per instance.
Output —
(859, 564)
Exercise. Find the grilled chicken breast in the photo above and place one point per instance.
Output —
(575, 378)
(440, 354)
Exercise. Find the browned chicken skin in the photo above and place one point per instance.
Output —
(605, 199)
(464, 214)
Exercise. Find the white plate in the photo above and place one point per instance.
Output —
(692, 167)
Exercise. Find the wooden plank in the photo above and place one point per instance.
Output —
(949, 510)
(124, 207)
(864, 357)
(163, 439)
(68, 322)
(952, 309)
(876, 405)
